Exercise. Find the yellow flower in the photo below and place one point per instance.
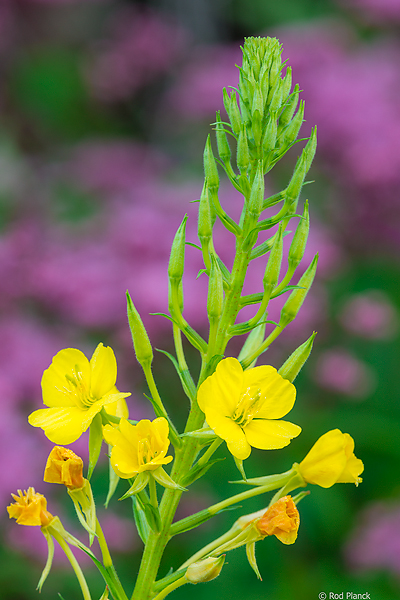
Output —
(242, 407)
(30, 508)
(331, 460)
(138, 448)
(282, 519)
(64, 466)
(76, 389)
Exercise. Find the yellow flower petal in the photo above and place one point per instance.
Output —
(57, 391)
(61, 425)
(331, 460)
(269, 434)
(138, 448)
(223, 385)
(103, 366)
(278, 395)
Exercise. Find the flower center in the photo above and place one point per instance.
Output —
(146, 451)
(79, 388)
(247, 407)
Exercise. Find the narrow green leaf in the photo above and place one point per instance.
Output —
(95, 441)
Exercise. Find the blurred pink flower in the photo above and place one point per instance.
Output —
(375, 11)
(341, 372)
(375, 543)
(141, 46)
(370, 315)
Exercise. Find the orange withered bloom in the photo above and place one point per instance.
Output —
(30, 508)
(281, 519)
(64, 466)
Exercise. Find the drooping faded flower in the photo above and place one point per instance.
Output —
(138, 448)
(282, 519)
(30, 508)
(64, 466)
(332, 460)
(75, 390)
(245, 407)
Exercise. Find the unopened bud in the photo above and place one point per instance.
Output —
(298, 245)
(204, 223)
(293, 365)
(257, 192)
(258, 102)
(177, 258)
(297, 297)
(224, 150)
(232, 110)
(215, 299)
(286, 84)
(243, 155)
(270, 134)
(311, 148)
(290, 108)
(205, 570)
(210, 167)
(275, 97)
(289, 136)
(273, 268)
(141, 342)
(296, 183)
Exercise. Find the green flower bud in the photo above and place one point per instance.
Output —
(141, 342)
(269, 140)
(205, 570)
(204, 223)
(291, 105)
(293, 365)
(286, 84)
(289, 135)
(234, 114)
(293, 190)
(311, 148)
(210, 167)
(242, 153)
(258, 102)
(273, 267)
(215, 299)
(299, 241)
(275, 99)
(224, 150)
(297, 297)
(256, 126)
(177, 258)
(257, 192)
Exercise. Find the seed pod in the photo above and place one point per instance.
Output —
(311, 148)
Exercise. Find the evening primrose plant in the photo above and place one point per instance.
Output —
(232, 403)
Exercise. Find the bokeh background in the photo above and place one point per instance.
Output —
(105, 106)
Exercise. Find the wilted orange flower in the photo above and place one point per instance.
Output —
(281, 519)
(64, 466)
(30, 508)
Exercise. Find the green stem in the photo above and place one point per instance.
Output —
(105, 553)
(75, 565)
(171, 587)
(267, 342)
(153, 491)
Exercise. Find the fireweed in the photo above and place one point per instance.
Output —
(233, 400)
